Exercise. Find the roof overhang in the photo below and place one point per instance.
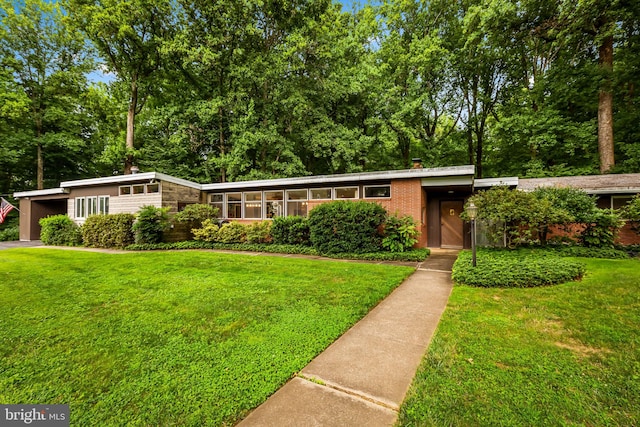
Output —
(131, 178)
(465, 172)
(40, 193)
(482, 183)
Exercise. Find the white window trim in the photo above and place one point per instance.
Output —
(245, 201)
(226, 204)
(89, 200)
(125, 195)
(364, 191)
(79, 202)
(265, 203)
(324, 188)
(335, 191)
(223, 210)
(103, 201)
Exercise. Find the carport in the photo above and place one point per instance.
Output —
(35, 205)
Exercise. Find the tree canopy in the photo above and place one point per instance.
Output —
(237, 89)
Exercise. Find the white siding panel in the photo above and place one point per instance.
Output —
(132, 204)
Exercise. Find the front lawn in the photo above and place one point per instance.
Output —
(559, 355)
(173, 338)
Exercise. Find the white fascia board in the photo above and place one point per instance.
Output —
(618, 190)
(510, 181)
(124, 179)
(349, 177)
(36, 193)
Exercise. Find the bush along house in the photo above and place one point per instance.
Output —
(434, 197)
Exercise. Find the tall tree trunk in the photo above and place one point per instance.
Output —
(223, 170)
(131, 116)
(605, 107)
(40, 172)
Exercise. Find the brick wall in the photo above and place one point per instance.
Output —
(172, 194)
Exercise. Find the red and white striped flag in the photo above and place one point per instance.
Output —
(5, 208)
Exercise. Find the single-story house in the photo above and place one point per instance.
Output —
(434, 197)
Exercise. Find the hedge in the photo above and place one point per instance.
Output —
(108, 231)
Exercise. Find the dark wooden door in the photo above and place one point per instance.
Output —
(451, 226)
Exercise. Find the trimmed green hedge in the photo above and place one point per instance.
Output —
(415, 255)
(515, 269)
(108, 231)
(347, 227)
(59, 230)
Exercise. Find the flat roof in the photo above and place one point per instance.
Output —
(36, 193)
(593, 184)
(509, 181)
(347, 177)
(124, 179)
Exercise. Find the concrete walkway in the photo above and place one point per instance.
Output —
(363, 377)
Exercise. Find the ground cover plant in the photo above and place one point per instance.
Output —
(558, 355)
(180, 338)
(520, 268)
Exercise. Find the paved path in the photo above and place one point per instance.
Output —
(20, 244)
(362, 378)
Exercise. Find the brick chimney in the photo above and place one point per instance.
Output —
(417, 163)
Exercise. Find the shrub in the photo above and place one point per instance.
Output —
(631, 212)
(195, 215)
(514, 269)
(290, 230)
(232, 232)
(10, 233)
(400, 233)
(60, 230)
(208, 232)
(345, 226)
(108, 231)
(601, 230)
(150, 223)
(259, 232)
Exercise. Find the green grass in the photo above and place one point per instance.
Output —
(559, 355)
(179, 338)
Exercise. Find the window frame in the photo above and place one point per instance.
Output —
(80, 202)
(266, 201)
(336, 189)
(228, 203)
(311, 190)
(366, 187)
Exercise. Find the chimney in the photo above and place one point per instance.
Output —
(134, 169)
(417, 163)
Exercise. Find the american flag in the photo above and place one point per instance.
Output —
(5, 208)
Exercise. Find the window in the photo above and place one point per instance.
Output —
(346, 193)
(80, 207)
(320, 193)
(103, 205)
(274, 205)
(253, 205)
(125, 190)
(137, 189)
(153, 188)
(217, 201)
(618, 202)
(234, 205)
(297, 202)
(92, 205)
(377, 192)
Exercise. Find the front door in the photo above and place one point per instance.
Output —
(451, 226)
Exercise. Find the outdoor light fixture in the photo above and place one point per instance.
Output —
(472, 211)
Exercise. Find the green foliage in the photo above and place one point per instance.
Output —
(534, 356)
(150, 223)
(631, 212)
(232, 232)
(601, 230)
(208, 232)
(108, 231)
(345, 226)
(196, 214)
(588, 252)
(400, 233)
(259, 232)
(290, 230)
(9, 234)
(415, 255)
(139, 333)
(59, 230)
(514, 269)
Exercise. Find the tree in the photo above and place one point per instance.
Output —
(44, 78)
(129, 36)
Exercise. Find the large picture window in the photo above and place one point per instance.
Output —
(274, 204)
(253, 205)
(234, 205)
(217, 201)
(297, 202)
(320, 194)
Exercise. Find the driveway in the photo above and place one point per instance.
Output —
(19, 244)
